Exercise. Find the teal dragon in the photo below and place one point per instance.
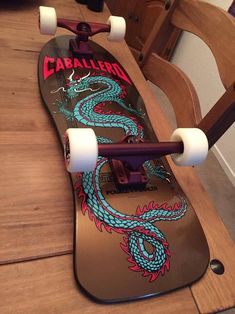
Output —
(139, 228)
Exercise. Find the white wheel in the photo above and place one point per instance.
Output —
(80, 150)
(195, 146)
(118, 28)
(47, 20)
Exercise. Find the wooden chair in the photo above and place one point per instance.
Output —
(217, 29)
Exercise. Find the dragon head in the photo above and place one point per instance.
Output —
(75, 86)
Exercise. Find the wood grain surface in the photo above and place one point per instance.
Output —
(48, 286)
(36, 206)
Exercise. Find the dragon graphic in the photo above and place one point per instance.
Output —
(139, 228)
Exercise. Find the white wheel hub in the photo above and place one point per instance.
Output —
(80, 149)
(47, 20)
(195, 146)
(117, 29)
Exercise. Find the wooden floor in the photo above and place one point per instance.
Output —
(36, 205)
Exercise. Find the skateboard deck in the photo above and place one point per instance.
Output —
(129, 243)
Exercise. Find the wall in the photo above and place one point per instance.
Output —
(196, 59)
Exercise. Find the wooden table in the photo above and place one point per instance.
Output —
(36, 207)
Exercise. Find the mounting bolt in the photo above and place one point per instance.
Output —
(217, 266)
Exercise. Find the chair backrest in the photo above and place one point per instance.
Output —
(217, 29)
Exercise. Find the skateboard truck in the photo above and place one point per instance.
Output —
(127, 158)
(83, 30)
(48, 23)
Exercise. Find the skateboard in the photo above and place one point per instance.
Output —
(135, 233)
